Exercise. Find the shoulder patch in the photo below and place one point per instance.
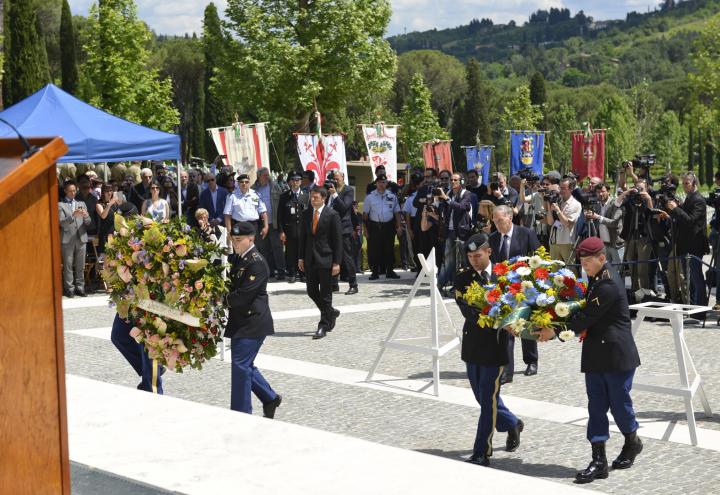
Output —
(252, 277)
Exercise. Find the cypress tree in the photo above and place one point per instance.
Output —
(197, 131)
(701, 157)
(473, 122)
(27, 66)
(538, 96)
(691, 148)
(215, 111)
(709, 158)
(68, 65)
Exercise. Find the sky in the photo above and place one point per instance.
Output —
(185, 16)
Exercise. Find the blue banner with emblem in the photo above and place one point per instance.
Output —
(526, 151)
(478, 158)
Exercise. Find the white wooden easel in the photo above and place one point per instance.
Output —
(687, 389)
(420, 344)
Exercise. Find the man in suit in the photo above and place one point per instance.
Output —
(484, 353)
(508, 241)
(340, 199)
(249, 322)
(213, 200)
(690, 234)
(74, 222)
(270, 246)
(609, 359)
(140, 192)
(291, 206)
(321, 252)
(189, 197)
(456, 209)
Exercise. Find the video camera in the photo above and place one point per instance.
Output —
(664, 194)
(641, 161)
(529, 175)
(330, 182)
(713, 199)
(550, 195)
(589, 200)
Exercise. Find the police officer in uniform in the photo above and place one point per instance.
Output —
(249, 322)
(609, 359)
(290, 207)
(381, 214)
(485, 355)
(244, 205)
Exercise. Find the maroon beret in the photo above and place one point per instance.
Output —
(590, 246)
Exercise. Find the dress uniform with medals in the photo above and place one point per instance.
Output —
(290, 207)
(249, 322)
(609, 359)
(485, 355)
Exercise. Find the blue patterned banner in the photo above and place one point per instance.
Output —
(526, 150)
(479, 159)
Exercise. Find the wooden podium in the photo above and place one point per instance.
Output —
(33, 418)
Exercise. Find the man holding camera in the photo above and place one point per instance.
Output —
(562, 213)
(609, 220)
(381, 216)
(689, 233)
(500, 193)
(74, 222)
(637, 204)
(340, 199)
(456, 208)
(423, 202)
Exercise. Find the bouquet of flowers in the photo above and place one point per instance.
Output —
(161, 275)
(530, 293)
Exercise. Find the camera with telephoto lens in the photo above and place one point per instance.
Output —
(664, 194)
(529, 175)
(551, 196)
(330, 182)
(589, 200)
(713, 199)
(643, 161)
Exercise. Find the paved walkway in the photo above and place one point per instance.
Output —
(322, 386)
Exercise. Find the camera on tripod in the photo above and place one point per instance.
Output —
(665, 194)
(589, 200)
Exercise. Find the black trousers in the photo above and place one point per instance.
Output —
(347, 268)
(381, 246)
(291, 255)
(529, 351)
(319, 287)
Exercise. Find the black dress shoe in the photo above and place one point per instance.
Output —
(352, 290)
(69, 294)
(506, 378)
(479, 459)
(269, 407)
(292, 279)
(392, 274)
(531, 369)
(374, 276)
(80, 293)
(513, 438)
(633, 446)
(320, 333)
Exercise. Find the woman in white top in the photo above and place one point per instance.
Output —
(156, 207)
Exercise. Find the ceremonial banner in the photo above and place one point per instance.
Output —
(588, 153)
(479, 159)
(526, 151)
(381, 142)
(322, 155)
(437, 155)
(244, 145)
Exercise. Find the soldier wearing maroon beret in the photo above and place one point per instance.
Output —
(609, 359)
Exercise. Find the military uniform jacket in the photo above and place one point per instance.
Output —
(290, 211)
(609, 345)
(480, 345)
(249, 310)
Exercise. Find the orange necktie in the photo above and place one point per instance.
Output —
(315, 221)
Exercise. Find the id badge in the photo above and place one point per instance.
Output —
(292, 210)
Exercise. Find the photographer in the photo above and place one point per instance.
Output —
(423, 199)
(531, 207)
(500, 193)
(637, 204)
(689, 231)
(562, 213)
(609, 220)
(457, 209)
(638, 169)
(340, 198)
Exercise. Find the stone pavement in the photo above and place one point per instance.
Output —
(550, 449)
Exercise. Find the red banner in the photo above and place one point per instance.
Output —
(588, 154)
(437, 155)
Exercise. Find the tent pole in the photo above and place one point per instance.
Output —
(179, 186)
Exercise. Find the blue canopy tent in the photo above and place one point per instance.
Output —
(91, 134)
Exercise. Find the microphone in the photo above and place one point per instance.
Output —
(29, 150)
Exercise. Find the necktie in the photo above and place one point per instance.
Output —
(505, 248)
(316, 215)
(483, 278)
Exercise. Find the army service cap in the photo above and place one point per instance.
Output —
(243, 228)
(477, 241)
(590, 246)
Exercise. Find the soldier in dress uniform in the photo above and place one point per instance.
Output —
(290, 208)
(485, 355)
(249, 322)
(609, 359)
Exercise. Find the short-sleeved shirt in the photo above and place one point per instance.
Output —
(381, 207)
(408, 206)
(559, 233)
(264, 193)
(244, 207)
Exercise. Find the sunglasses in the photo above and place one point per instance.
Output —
(244, 181)
(154, 187)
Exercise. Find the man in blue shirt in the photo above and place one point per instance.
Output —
(270, 246)
(381, 215)
(244, 205)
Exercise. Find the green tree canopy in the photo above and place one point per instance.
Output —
(519, 113)
(620, 142)
(215, 112)
(26, 68)
(418, 121)
(561, 120)
(444, 75)
(669, 141)
(472, 123)
(67, 51)
(117, 66)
